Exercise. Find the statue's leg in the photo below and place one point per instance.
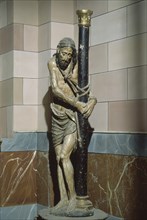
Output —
(67, 148)
(63, 194)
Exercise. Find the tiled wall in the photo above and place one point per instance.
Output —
(118, 66)
(29, 33)
(54, 24)
(19, 67)
(6, 68)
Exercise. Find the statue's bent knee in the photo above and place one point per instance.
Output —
(63, 156)
(58, 159)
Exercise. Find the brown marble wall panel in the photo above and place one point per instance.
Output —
(1, 169)
(18, 178)
(42, 175)
(24, 178)
(118, 185)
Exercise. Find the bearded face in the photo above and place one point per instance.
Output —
(64, 57)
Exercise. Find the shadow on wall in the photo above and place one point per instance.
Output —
(47, 110)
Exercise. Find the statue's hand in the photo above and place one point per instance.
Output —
(89, 108)
(81, 106)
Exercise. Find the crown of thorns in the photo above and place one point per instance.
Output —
(66, 42)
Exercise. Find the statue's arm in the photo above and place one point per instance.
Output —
(90, 105)
(92, 98)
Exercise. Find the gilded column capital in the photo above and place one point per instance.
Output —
(84, 17)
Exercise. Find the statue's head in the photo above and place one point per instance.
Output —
(66, 51)
(66, 42)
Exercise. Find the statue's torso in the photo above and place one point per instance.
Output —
(66, 89)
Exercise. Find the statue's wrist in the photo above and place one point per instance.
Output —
(76, 103)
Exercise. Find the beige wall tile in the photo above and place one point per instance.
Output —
(30, 38)
(137, 83)
(10, 11)
(43, 86)
(25, 118)
(108, 27)
(115, 4)
(26, 12)
(6, 96)
(137, 20)
(30, 91)
(6, 122)
(6, 66)
(43, 59)
(76, 35)
(98, 59)
(59, 31)
(18, 37)
(3, 122)
(98, 7)
(9, 121)
(44, 120)
(110, 86)
(25, 64)
(6, 39)
(128, 52)
(1, 93)
(53, 52)
(62, 11)
(99, 117)
(128, 116)
(44, 37)
(17, 91)
(3, 14)
(44, 11)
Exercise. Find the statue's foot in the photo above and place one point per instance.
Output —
(72, 204)
(60, 207)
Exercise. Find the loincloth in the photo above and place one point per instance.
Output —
(63, 123)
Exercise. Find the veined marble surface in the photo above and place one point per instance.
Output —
(105, 143)
(118, 185)
(26, 141)
(119, 144)
(23, 178)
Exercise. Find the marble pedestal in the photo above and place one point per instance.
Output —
(98, 215)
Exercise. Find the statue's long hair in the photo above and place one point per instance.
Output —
(67, 42)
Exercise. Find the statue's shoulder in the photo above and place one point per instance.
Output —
(52, 63)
